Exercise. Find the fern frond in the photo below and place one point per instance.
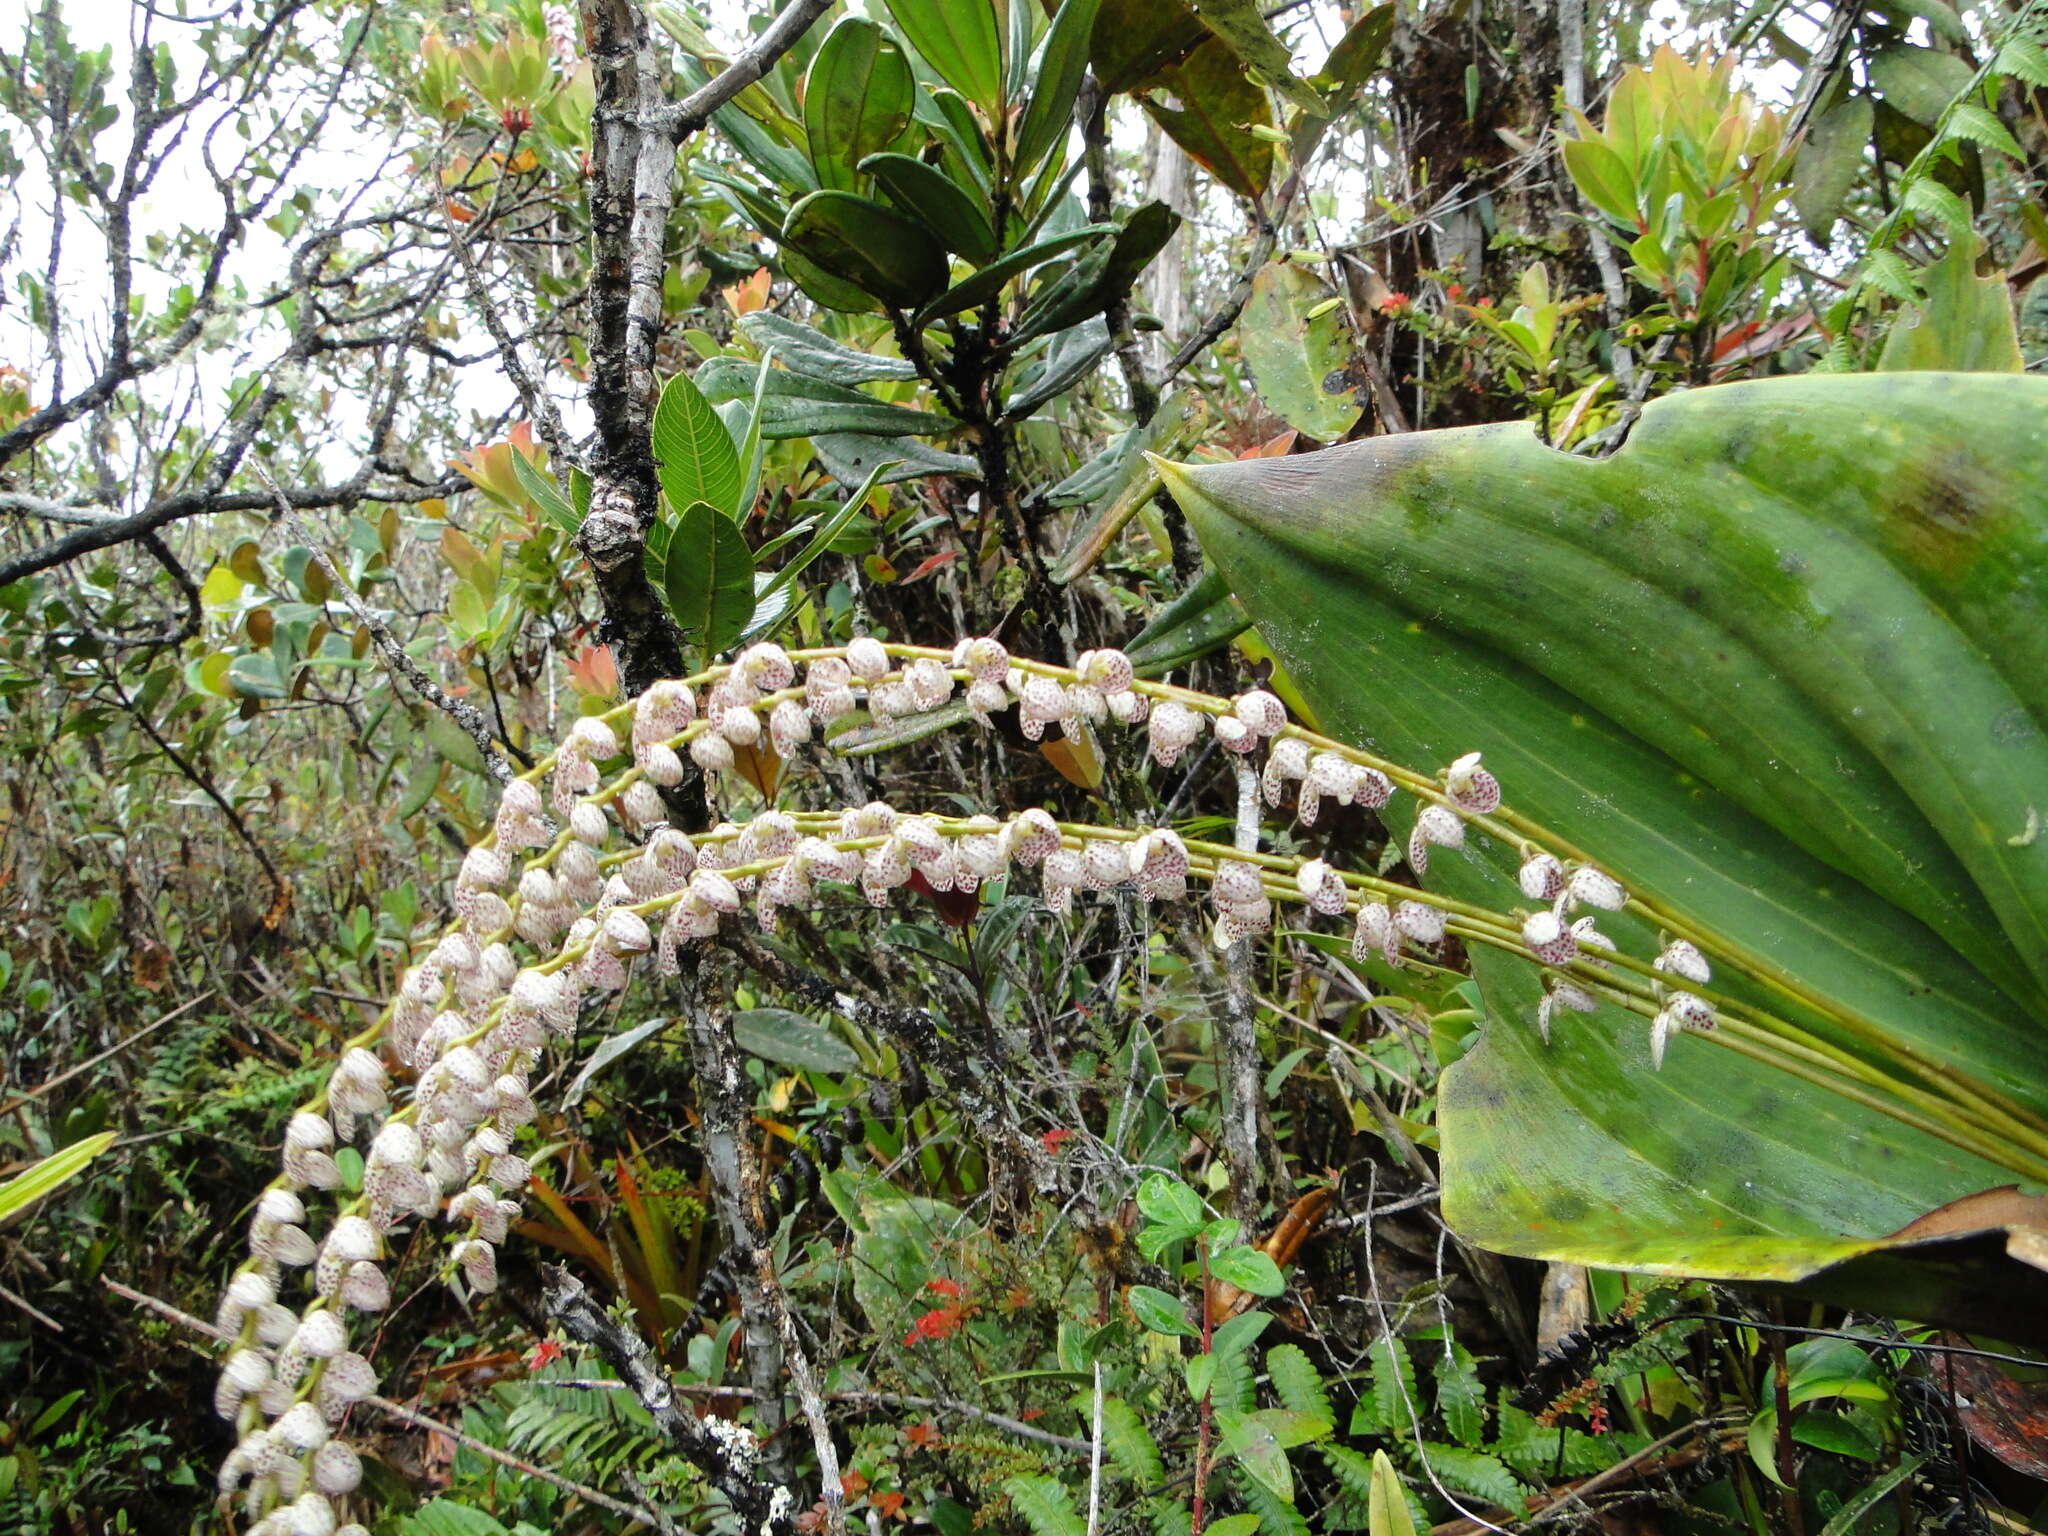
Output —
(1047, 1506)
(1297, 1382)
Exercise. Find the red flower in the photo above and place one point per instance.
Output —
(939, 1323)
(1052, 1141)
(1394, 304)
(944, 1287)
(545, 1353)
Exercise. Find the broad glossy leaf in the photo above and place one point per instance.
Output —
(948, 115)
(932, 198)
(1242, 27)
(709, 577)
(1299, 347)
(790, 1040)
(973, 292)
(1068, 358)
(961, 40)
(793, 405)
(1061, 64)
(810, 351)
(873, 247)
(1100, 276)
(1920, 82)
(1829, 162)
(1135, 39)
(857, 99)
(850, 457)
(825, 289)
(693, 452)
(1781, 646)
(1215, 104)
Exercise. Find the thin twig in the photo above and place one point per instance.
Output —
(781, 35)
(1000, 1421)
(113, 1050)
(466, 715)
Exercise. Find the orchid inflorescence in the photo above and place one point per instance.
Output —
(608, 882)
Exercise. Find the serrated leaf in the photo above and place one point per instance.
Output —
(1460, 1400)
(1297, 1383)
(708, 578)
(1132, 1450)
(1389, 1405)
(694, 454)
(1046, 1504)
(1474, 1473)
(1980, 125)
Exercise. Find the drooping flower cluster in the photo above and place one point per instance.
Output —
(575, 885)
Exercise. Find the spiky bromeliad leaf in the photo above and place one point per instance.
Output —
(1780, 663)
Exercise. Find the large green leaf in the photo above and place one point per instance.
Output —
(934, 199)
(1297, 339)
(961, 41)
(1778, 662)
(1214, 105)
(709, 577)
(693, 452)
(810, 351)
(873, 247)
(52, 1173)
(794, 405)
(857, 99)
(1061, 64)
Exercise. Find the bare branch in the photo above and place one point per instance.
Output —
(780, 36)
(466, 715)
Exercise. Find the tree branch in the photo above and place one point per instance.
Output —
(464, 714)
(727, 1454)
(781, 35)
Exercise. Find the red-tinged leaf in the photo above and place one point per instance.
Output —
(1277, 448)
(924, 1437)
(932, 563)
(889, 1505)
(878, 569)
(956, 909)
